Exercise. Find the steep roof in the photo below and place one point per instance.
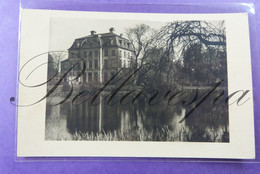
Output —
(105, 39)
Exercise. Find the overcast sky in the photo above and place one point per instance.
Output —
(63, 31)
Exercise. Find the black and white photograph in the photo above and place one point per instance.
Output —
(121, 80)
(134, 85)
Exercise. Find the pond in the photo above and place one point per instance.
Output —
(137, 122)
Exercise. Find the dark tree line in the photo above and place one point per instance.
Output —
(180, 53)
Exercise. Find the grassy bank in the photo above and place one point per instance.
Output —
(160, 134)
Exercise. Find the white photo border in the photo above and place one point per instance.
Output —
(31, 120)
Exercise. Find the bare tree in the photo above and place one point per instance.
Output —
(57, 57)
(178, 36)
(166, 49)
(141, 38)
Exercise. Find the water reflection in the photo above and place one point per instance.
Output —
(138, 122)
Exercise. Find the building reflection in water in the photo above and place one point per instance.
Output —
(68, 119)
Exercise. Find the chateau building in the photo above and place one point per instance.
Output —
(104, 54)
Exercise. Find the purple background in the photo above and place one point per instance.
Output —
(9, 23)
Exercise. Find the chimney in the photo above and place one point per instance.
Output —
(92, 32)
(121, 35)
(111, 30)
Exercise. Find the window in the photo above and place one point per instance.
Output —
(124, 54)
(96, 64)
(96, 76)
(112, 74)
(128, 55)
(90, 54)
(105, 63)
(113, 52)
(106, 52)
(96, 53)
(90, 77)
(120, 42)
(77, 54)
(90, 64)
(124, 63)
(105, 77)
(120, 53)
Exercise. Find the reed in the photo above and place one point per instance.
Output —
(162, 134)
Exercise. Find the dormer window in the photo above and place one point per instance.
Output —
(77, 44)
(113, 52)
